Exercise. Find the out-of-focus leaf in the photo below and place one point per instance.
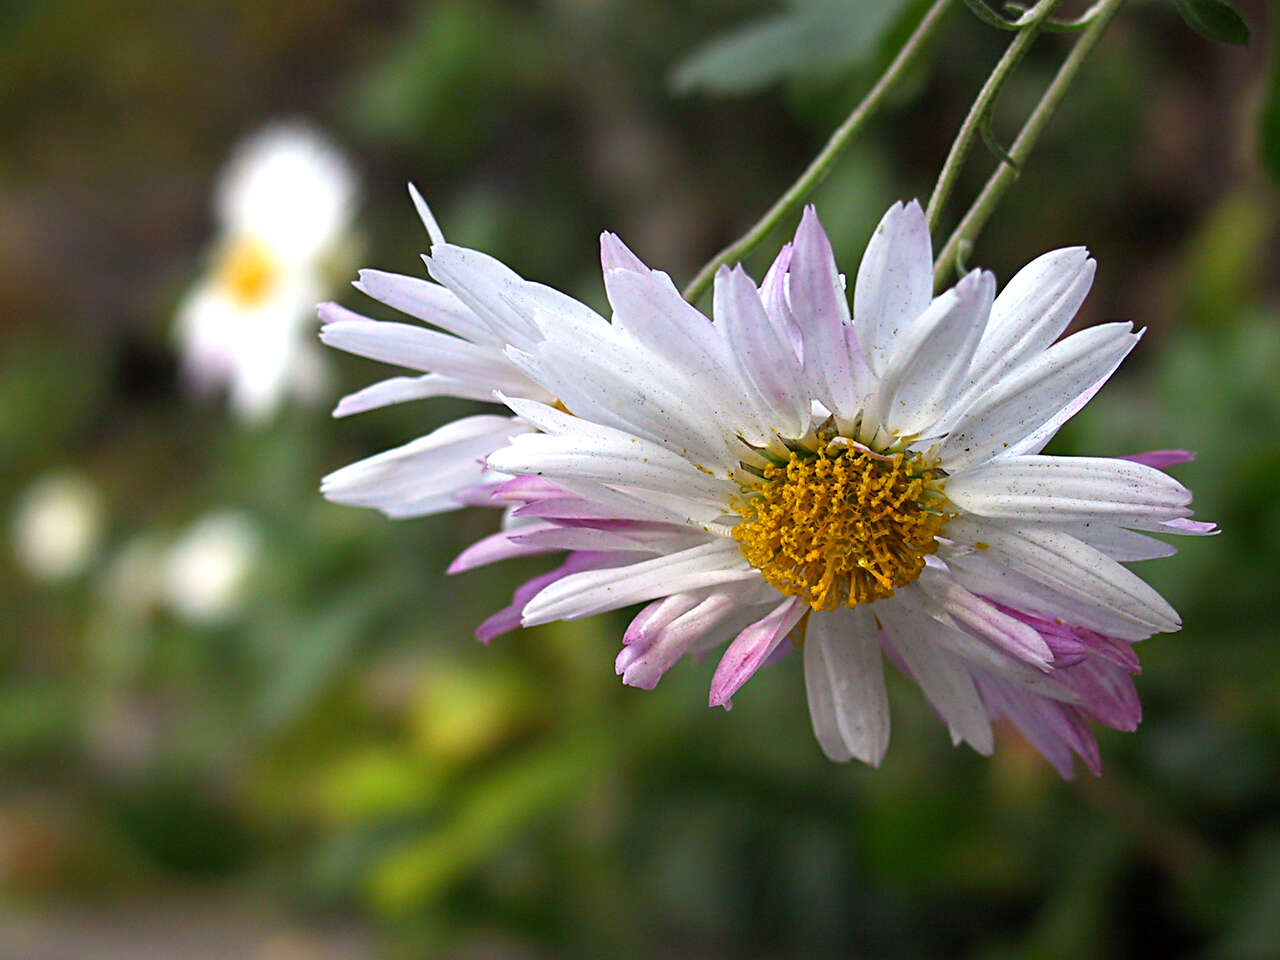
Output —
(816, 39)
(374, 783)
(1224, 266)
(487, 815)
(445, 80)
(461, 713)
(1215, 19)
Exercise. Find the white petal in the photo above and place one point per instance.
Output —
(1069, 566)
(648, 306)
(942, 676)
(844, 680)
(764, 357)
(993, 578)
(982, 641)
(650, 538)
(1036, 393)
(1118, 543)
(402, 389)
(821, 311)
(633, 464)
(1067, 489)
(426, 216)
(605, 376)
(930, 359)
(426, 301)
(895, 282)
(1031, 312)
(658, 506)
(595, 591)
(427, 350)
(1006, 633)
(616, 255)
(777, 300)
(499, 296)
(421, 477)
(573, 448)
(654, 325)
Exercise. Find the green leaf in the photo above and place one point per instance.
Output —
(1215, 19)
(817, 39)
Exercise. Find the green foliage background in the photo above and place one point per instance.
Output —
(340, 770)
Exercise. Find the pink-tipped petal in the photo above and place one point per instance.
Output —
(1161, 459)
(752, 647)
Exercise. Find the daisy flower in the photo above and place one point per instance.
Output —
(283, 206)
(478, 307)
(869, 484)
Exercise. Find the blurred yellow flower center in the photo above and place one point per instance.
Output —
(247, 272)
(843, 528)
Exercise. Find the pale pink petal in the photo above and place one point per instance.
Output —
(752, 647)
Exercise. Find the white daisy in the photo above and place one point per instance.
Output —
(869, 484)
(284, 206)
(479, 307)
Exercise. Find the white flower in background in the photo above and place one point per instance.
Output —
(283, 206)
(57, 526)
(871, 485)
(206, 572)
(479, 307)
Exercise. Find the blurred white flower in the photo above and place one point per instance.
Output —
(206, 572)
(57, 526)
(284, 206)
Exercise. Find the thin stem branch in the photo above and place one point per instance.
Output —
(826, 158)
(978, 214)
(981, 108)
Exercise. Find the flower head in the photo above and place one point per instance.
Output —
(283, 206)
(870, 483)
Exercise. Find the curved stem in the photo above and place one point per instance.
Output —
(982, 107)
(1063, 26)
(978, 214)
(826, 158)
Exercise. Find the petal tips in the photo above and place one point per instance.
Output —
(616, 255)
(425, 215)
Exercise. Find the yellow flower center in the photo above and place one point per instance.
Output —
(842, 528)
(247, 271)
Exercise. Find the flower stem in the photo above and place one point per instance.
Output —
(981, 108)
(976, 217)
(825, 160)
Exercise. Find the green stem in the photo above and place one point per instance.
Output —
(825, 160)
(978, 214)
(981, 108)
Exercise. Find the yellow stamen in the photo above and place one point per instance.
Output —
(247, 271)
(842, 528)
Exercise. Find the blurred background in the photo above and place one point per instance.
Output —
(239, 721)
